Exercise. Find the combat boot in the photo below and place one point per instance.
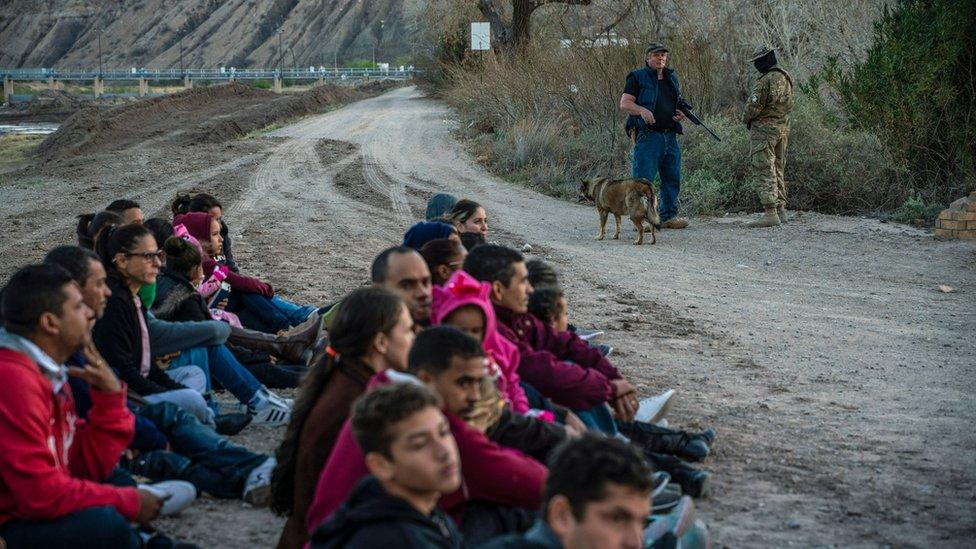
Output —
(781, 213)
(769, 218)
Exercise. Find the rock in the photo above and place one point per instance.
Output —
(793, 524)
(526, 248)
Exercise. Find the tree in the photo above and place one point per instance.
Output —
(518, 30)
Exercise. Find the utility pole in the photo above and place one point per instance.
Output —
(182, 71)
(99, 53)
(281, 51)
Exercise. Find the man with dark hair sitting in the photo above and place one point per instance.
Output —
(569, 371)
(598, 494)
(404, 272)
(412, 459)
(51, 463)
(495, 478)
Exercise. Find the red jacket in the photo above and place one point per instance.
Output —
(489, 473)
(559, 365)
(52, 462)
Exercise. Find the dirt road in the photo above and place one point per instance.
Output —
(839, 379)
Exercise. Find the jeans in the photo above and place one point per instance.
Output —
(191, 399)
(217, 362)
(659, 152)
(92, 528)
(267, 314)
(199, 455)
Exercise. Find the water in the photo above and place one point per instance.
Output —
(29, 128)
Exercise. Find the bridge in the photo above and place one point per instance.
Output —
(145, 76)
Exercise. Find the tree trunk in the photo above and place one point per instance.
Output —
(519, 30)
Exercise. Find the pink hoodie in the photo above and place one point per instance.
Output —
(463, 289)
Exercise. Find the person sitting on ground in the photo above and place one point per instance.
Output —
(195, 201)
(90, 224)
(161, 229)
(423, 232)
(412, 459)
(443, 257)
(552, 361)
(549, 305)
(132, 260)
(404, 272)
(469, 217)
(178, 300)
(541, 275)
(129, 210)
(51, 464)
(597, 495)
(254, 301)
(372, 333)
(496, 481)
(470, 240)
(439, 205)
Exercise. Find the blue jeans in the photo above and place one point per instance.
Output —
(265, 314)
(92, 528)
(659, 152)
(217, 362)
(199, 455)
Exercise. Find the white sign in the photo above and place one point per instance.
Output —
(480, 36)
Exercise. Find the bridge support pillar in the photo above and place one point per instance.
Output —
(143, 87)
(277, 84)
(50, 83)
(8, 90)
(187, 83)
(99, 87)
(321, 81)
(230, 80)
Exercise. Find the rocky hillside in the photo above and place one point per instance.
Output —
(239, 33)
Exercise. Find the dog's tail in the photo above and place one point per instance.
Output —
(647, 200)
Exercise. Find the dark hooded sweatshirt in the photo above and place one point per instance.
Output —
(371, 517)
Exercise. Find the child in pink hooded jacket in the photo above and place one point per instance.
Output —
(463, 290)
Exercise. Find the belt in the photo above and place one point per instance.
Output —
(672, 130)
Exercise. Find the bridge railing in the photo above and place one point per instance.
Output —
(223, 73)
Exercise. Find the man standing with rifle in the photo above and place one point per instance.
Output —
(651, 97)
(767, 116)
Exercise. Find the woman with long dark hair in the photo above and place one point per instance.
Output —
(469, 217)
(132, 259)
(371, 333)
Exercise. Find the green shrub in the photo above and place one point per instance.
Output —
(914, 209)
(261, 84)
(917, 91)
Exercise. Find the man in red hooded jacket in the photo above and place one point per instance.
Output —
(51, 462)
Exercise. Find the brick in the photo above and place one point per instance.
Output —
(971, 225)
(961, 216)
(965, 234)
(943, 232)
(953, 225)
(971, 207)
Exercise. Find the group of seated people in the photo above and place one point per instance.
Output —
(450, 403)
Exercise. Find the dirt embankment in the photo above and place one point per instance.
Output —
(200, 115)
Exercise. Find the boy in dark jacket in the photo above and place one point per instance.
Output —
(412, 459)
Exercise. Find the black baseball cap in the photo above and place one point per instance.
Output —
(655, 47)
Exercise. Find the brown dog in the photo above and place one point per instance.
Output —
(632, 197)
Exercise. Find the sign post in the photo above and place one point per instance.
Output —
(480, 36)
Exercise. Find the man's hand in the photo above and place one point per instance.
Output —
(678, 116)
(574, 425)
(625, 400)
(647, 116)
(97, 372)
(163, 361)
(149, 507)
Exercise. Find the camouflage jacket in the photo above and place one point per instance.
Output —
(771, 100)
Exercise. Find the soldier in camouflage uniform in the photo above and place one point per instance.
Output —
(767, 116)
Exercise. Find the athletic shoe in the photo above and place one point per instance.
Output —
(605, 349)
(257, 487)
(652, 409)
(268, 408)
(587, 335)
(176, 495)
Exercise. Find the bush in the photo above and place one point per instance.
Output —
(915, 209)
(261, 84)
(917, 91)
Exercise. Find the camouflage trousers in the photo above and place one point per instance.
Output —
(767, 154)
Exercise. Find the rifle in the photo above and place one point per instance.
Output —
(685, 108)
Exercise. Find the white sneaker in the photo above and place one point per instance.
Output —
(257, 487)
(652, 409)
(177, 495)
(587, 335)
